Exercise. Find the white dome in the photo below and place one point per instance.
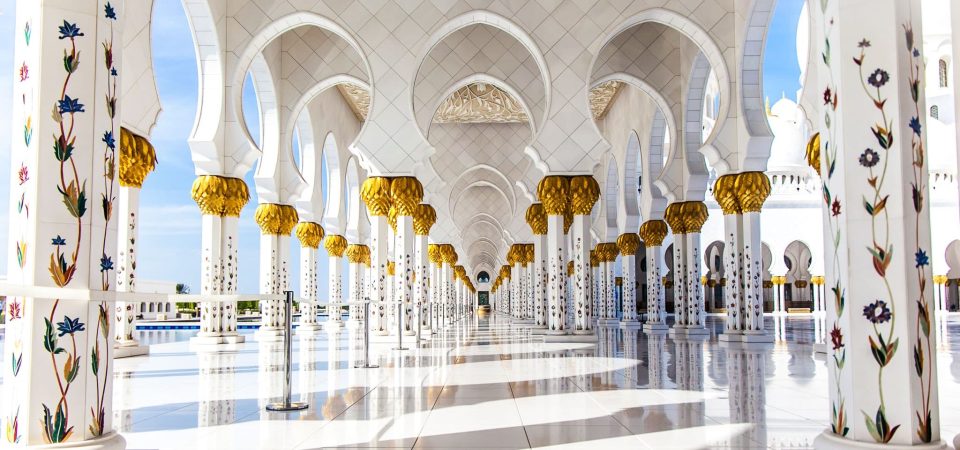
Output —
(787, 153)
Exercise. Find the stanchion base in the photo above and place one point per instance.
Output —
(292, 406)
(367, 366)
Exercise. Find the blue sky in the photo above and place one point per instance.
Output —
(170, 221)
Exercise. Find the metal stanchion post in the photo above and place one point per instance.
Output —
(366, 338)
(400, 317)
(286, 404)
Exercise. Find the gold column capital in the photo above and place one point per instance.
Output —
(528, 253)
(725, 191)
(406, 193)
(375, 193)
(505, 272)
(567, 220)
(136, 160)
(335, 245)
(310, 234)
(449, 254)
(435, 255)
(594, 259)
(813, 152)
(694, 216)
(607, 251)
(554, 192)
(628, 244)
(392, 218)
(356, 253)
(569, 268)
(584, 193)
(653, 232)
(424, 219)
(220, 196)
(752, 188)
(674, 217)
(537, 219)
(391, 268)
(276, 218)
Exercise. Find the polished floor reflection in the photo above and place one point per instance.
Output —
(490, 384)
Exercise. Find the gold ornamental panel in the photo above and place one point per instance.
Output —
(653, 232)
(276, 219)
(375, 193)
(628, 244)
(584, 193)
(694, 216)
(335, 245)
(674, 217)
(137, 158)
(310, 234)
(220, 196)
(752, 188)
(554, 193)
(725, 191)
(537, 219)
(424, 219)
(406, 193)
(813, 152)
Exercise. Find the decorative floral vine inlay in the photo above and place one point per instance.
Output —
(922, 351)
(882, 312)
(830, 152)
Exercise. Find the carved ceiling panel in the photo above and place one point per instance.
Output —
(357, 97)
(480, 103)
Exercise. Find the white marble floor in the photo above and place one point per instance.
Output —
(489, 384)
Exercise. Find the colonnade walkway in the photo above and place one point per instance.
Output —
(489, 383)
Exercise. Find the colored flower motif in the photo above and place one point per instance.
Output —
(16, 311)
(915, 125)
(109, 140)
(24, 72)
(922, 258)
(23, 174)
(59, 241)
(70, 105)
(827, 96)
(109, 12)
(106, 263)
(878, 78)
(836, 337)
(113, 71)
(877, 312)
(26, 33)
(69, 326)
(835, 208)
(864, 44)
(69, 30)
(869, 158)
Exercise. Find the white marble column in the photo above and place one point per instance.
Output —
(584, 192)
(880, 316)
(553, 192)
(423, 220)
(597, 284)
(310, 235)
(138, 158)
(406, 192)
(537, 220)
(58, 353)
(653, 232)
(375, 193)
(355, 257)
(529, 291)
(752, 190)
(276, 222)
(724, 191)
(607, 252)
(336, 247)
(436, 258)
(629, 244)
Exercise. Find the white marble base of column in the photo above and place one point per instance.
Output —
(109, 441)
(217, 339)
(555, 333)
(588, 338)
(608, 322)
(126, 349)
(760, 337)
(655, 328)
(731, 336)
(631, 325)
(269, 334)
(689, 331)
(538, 331)
(829, 441)
(820, 347)
(310, 329)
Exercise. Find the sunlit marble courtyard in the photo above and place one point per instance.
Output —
(486, 383)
